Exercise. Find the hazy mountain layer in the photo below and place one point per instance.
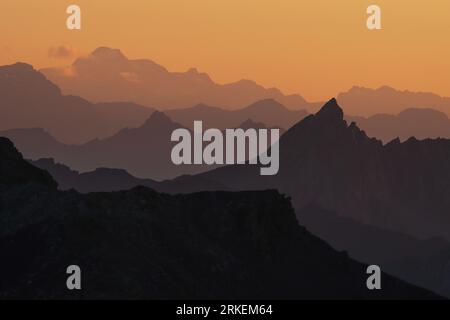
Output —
(268, 112)
(418, 123)
(108, 75)
(144, 151)
(29, 100)
(360, 101)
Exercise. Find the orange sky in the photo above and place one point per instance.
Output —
(313, 47)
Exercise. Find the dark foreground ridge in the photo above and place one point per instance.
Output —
(144, 244)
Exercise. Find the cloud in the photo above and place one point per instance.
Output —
(61, 52)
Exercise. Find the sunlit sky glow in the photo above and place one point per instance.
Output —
(313, 47)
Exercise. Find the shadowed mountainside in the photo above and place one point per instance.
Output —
(398, 186)
(425, 263)
(108, 75)
(401, 255)
(29, 100)
(142, 244)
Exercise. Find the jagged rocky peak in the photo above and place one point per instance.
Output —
(331, 110)
(327, 126)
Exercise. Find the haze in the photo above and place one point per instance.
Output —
(315, 48)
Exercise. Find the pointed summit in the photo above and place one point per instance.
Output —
(158, 119)
(331, 110)
(159, 116)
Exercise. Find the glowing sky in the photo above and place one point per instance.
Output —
(313, 47)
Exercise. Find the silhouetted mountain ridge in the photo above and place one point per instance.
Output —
(144, 151)
(101, 179)
(142, 244)
(25, 91)
(399, 186)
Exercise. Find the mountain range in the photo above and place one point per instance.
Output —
(140, 244)
(387, 204)
(411, 122)
(398, 186)
(29, 100)
(108, 75)
(356, 176)
(421, 123)
(323, 159)
(144, 151)
(365, 102)
(405, 256)
(73, 120)
(268, 112)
